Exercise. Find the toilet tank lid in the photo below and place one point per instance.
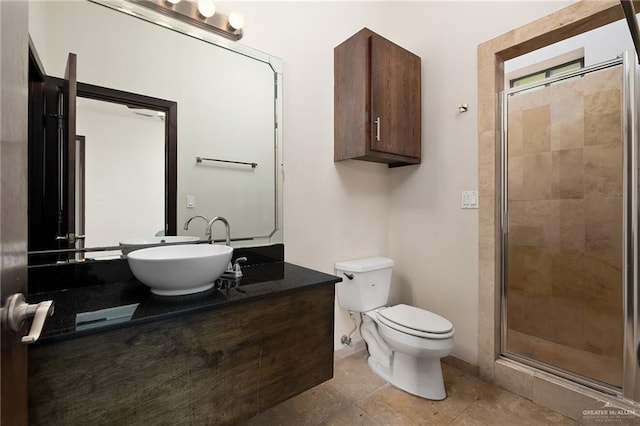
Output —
(364, 265)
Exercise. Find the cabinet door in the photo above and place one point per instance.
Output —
(395, 99)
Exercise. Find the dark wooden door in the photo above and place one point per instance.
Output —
(13, 201)
(52, 158)
(395, 99)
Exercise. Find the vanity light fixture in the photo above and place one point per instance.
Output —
(200, 13)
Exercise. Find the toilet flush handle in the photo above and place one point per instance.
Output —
(350, 276)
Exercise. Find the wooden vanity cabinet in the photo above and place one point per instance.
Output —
(213, 367)
(377, 101)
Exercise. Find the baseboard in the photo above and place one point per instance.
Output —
(461, 365)
(347, 351)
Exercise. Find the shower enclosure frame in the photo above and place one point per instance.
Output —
(630, 390)
(631, 194)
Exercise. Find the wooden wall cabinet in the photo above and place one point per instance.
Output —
(377, 101)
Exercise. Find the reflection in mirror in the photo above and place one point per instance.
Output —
(227, 95)
(111, 180)
(117, 206)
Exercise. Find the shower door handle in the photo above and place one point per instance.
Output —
(505, 221)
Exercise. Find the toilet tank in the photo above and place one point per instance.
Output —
(365, 283)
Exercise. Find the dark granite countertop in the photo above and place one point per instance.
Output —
(85, 310)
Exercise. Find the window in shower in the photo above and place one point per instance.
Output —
(546, 73)
(563, 225)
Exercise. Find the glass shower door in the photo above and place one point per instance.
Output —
(563, 227)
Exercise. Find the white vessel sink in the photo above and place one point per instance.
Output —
(175, 270)
(132, 244)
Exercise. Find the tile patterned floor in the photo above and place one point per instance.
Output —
(356, 396)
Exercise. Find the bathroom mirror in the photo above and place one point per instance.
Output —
(228, 105)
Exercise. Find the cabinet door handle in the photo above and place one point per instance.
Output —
(377, 122)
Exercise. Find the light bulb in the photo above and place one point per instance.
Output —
(236, 20)
(206, 8)
(173, 1)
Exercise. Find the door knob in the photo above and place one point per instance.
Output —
(16, 311)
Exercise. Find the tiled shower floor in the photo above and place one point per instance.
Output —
(356, 396)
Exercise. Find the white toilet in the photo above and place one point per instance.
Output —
(405, 343)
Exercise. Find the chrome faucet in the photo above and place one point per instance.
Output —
(234, 271)
(188, 221)
(226, 228)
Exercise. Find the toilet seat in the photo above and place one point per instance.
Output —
(415, 321)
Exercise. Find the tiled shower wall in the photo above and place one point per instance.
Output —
(565, 165)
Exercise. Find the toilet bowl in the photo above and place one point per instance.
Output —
(405, 343)
(412, 362)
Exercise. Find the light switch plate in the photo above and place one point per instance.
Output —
(191, 201)
(469, 200)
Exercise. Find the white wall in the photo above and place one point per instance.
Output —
(339, 211)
